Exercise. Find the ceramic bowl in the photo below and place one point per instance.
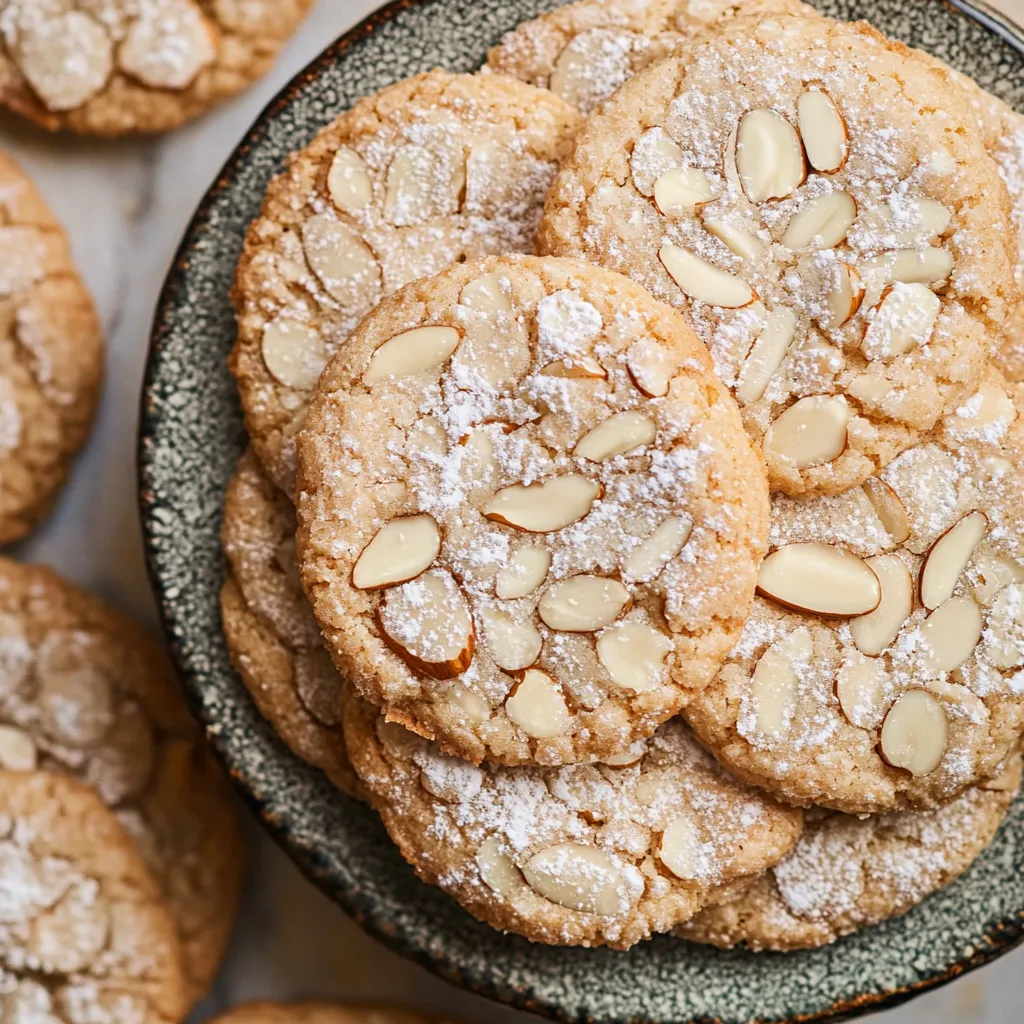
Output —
(190, 441)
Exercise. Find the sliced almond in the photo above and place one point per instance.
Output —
(988, 412)
(578, 368)
(420, 350)
(948, 557)
(581, 878)
(1004, 632)
(343, 262)
(890, 510)
(737, 239)
(822, 222)
(166, 48)
(525, 572)
(617, 435)
(399, 552)
(903, 320)
(915, 733)
(769, 156)
(348, 181)
(497, 869)
(650, 556)
(917, 220)
(843, 297)
(682, 848)
(592, 65)
(682, 190)
(419, 187)
(18, 752)
(513, 645)
(537, 705)
(583, 604)
(994, 572)
(428, 623)
(636, 752)
(928, 266)
(820, 579)
(478, 466)
(486, 294)
(544, 507)
(950, 634)
(653, 155)
(427, 438)
(767, 355)
(704, 281)
(872, 633)
(294, 353)
(823, 131)
(775, 684)
(651, 367)
(811, 432)
(633, 653)
(861, 689)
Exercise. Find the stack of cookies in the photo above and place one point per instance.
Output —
(633, 513)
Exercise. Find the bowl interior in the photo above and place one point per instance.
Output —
(191, 438)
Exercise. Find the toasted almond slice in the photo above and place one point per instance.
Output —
(537, 705)
(1004, 632)
(650, 556)
(843, 298)
(653, 155)
(819, 579)
(428, 623)
(497, 869)
(822, 222)
(579, 367)
(767, 355)
(737, 239)
(811, 432)
(870, 388)
(635, 752)
(950, 634)
(513, 645)
(903, 320)
(617, 435)
(994, 572)
(486, 294)
(861, 690)
(928, 266)
(682, 848)
(682, 190)
(399, 552)
(987, 413)
(478, 466)
(427, 438)
(581, 878)
(633, 653)
(294, 353)
(416, 189)
(593, 62)
(651, 367)
(775, 684)
(417, 351)
(18, 752)
(525, 572)
(872, 633)
(889, 509)
(915, 733)
(704, 281)
(948, 557)
(823, 131)
(918, 220)
(348, 181)
(544, 507)
(343, 262)
(769, 156)
(583, 604)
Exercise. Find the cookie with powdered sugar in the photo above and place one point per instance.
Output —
(817, 201)
(530, 520)
(433, 170)
(599, 854)
(318, 1013)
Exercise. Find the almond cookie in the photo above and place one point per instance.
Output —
(114, 67)
(1009, 155)
(317, 1013)
(51, 356)
(838, 239)
(85, 937)
(84, 691)
(847, 873)
(274, 641)
(529, 520)
(429, 172)
(882, 666)
(592, 855)
(584, 51)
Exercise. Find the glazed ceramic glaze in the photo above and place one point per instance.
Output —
(191, 438)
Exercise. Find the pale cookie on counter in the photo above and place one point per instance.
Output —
(598, 854)
(114, 67)
(530, 520)
(838, 239)
(847, 873)
(86, 937)
(272, 637)
(882, 666)
(86, 692)
(318, 1013)
(430, 171)
(51, 356)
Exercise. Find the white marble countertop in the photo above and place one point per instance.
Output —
(125, 205)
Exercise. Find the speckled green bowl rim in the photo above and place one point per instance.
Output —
(190, 437)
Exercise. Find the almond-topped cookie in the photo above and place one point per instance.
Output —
(599, 854)
(847, 873)
(529, 518)
(428, 172)
(318, 1013)
(882, 665)
(838, 238)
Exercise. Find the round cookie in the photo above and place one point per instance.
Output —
(431, 171)
(851, 292)
(51, 356)
(906, 705)
(317, 1013)
(86, 938)
(578, 855)
(529, 520)
(1008, 152)
(274, 641)
(85, 692)
(116, 67)
(847, 873)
